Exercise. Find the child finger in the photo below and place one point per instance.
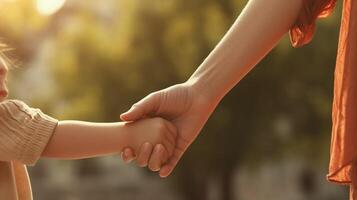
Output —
(128, 155)
(157, 158)
(144, 155)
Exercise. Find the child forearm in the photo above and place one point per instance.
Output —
(76, 140)
(256, 31)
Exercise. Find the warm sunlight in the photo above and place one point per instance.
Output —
(48, 7)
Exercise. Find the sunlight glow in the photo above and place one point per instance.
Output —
(49, 7)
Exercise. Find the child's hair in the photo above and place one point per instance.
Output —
(7, 61)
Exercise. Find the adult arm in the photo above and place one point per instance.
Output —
(188, 105)
(256, 31)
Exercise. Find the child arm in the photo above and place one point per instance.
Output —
(26, 134)
(77, 139)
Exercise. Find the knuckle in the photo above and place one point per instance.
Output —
(159, 149)
(151, 95)
(135, 105)
(154, 94)
(161, 126)
(160, 121)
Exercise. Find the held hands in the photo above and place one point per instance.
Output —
(185, 107)
(146, 132)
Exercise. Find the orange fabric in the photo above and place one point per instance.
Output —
(344, 138)
(343, 161)
(304, 28)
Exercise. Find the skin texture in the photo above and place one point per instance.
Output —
(77, 139)
(188, 105)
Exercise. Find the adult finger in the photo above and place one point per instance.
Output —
(167, 169)
(146, 106)
(144, 155)
(159, 156)
(180, 148)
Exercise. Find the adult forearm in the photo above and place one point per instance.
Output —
(76, 139)
(257, 30)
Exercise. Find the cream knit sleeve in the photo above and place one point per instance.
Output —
(24, 132)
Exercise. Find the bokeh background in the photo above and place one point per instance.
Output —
(91, 60)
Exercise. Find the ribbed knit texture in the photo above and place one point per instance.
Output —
(24, 134)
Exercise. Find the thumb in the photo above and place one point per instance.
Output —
(146, 106)
(132, 114)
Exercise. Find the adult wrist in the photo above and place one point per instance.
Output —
(203, 91)
(206, 87)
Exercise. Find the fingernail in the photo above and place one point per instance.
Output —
(164, 172)
(126, 154)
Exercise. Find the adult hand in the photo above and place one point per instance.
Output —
(185, 107)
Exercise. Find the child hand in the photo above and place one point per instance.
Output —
(146, 133)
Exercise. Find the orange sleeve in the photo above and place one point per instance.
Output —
(303, 30)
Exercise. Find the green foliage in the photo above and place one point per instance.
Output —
(103, 63)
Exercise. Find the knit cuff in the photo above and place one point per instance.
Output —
(43, 128)
(37, 128)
